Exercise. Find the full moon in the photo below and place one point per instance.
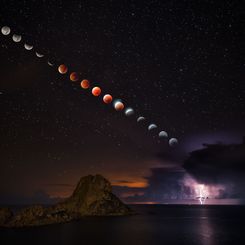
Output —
(107, 98)
(96, 91)
(85, 84)
(5, 30)
(16, 38)
(74, 77)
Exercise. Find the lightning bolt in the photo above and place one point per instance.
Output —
(202, 195)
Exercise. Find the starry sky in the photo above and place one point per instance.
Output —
(178, 63)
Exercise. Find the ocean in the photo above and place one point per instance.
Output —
(153, 225)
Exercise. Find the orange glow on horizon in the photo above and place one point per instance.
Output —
(131, 184)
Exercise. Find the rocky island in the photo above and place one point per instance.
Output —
(92, 197)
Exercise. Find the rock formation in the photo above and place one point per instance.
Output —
(92, 197)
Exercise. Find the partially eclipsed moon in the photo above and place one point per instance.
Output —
(50, 64)
(129, 111)
(62, 69)
(118, 105)
(28, 47)
(39, 55)
(173, 142)
(163, 134)
(140, 119)
(152, 126)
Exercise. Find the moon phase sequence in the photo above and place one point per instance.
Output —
(96, 91)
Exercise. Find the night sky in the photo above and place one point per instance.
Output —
(181, 64)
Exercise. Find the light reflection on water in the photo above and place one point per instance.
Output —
(205, 228)
(156, 225)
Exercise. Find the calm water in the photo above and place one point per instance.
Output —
(156, 224)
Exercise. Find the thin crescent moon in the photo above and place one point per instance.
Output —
(39, 55)
(50, 64)
(140, 119)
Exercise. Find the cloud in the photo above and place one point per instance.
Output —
(163, 184)
(219, 164)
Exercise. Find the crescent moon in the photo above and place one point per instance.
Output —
(39, 55)
(140, 119)
(163, 134)
(129, 111)
(16, 38)
(50, 64)
(28, 47)
(5, 30)
(152, 126)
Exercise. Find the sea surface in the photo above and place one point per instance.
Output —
(153, 225)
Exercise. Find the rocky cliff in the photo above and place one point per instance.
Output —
(91, 197)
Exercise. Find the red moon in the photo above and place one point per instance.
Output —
(119, 106)
(85, 84)
(96, 91)
(62, 69)
(74, 76)
(107, 98)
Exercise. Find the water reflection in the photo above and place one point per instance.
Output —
(156, 225)
(205, 227)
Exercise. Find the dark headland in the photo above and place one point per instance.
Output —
(92, 197)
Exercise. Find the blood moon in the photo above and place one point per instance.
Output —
(118, 105)
(62, 69)
(74, 77)
(96, 91)
(85, 84)
(107, 98)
